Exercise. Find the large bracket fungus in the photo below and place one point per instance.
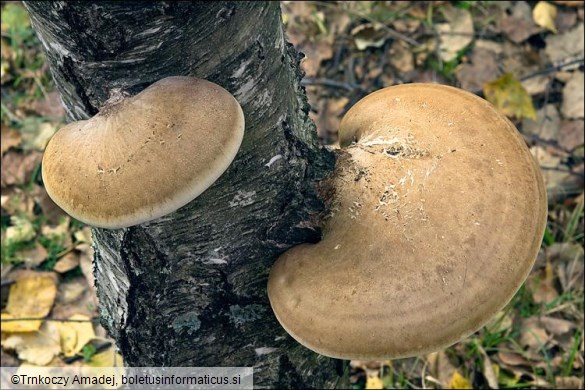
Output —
(437, 217)
(144, 156)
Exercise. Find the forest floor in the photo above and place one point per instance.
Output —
(525, 57)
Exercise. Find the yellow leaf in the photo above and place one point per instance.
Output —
(544, 15)
(510, 97)
(374, 382)
(74, 335)
(18, 326)
(459, 382)
(39, 347)
(31, 298)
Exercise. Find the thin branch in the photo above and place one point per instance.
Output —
(94, 319)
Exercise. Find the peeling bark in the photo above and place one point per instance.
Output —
(189, 289)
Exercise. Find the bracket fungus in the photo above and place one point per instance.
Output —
(436, 219)
(144, 156)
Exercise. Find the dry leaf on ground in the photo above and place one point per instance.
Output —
(510, 97)
(544, 15)
(574, 97)
(31, 297)
(565, 47)
(546, 125)
(75, 335)
(519, 26)
(9, 138)
(456, 34)
(38, 347)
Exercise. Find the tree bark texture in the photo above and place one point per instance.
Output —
(189, 289)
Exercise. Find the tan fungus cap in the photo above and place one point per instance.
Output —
(438, 215)
(144, 156)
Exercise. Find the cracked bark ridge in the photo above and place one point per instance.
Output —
(189, 289)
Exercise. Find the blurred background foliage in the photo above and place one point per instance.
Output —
(524, 57)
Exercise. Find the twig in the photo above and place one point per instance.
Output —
(552, 69)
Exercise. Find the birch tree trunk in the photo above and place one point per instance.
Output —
(189, 289)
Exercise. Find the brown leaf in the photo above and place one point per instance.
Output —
(67, 262)
(556, 326)
(546, 125)
(541, 285)
(574, 97)
(315, 53)
(50, 106)
(401, 57)
(572, 134)
(519, 25)
(17, 168)
(513, 359)
(32, 257)
(369, 35)
(9, 138)
(51, 211)
(565, 46)
(456, 34)
(533, 335)
(483, 67)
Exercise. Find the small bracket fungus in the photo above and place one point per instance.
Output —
(144, 156)
(438, 214)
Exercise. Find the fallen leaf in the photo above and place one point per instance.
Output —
(572, 134)
(67, 262)
(75, 335)
(32, 257)
(9, 138)
(563, 47)
(401, 57)
(315, 53)
(440, 367)
(51, 211)
(17, 168)
(31, 298)
(374, 382)
(50, 106)
(533, 335)
(38, 347)
(556, 326)
(510, 97)
(482, 68)
(488, 369)
(544, 15)
(513, 359)
(546, 125)
(542, 286)
(369, 35)
(459, 382)
(21, 230)
(456, 34)
(574, 97)
(519, 26)
(71, 290)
